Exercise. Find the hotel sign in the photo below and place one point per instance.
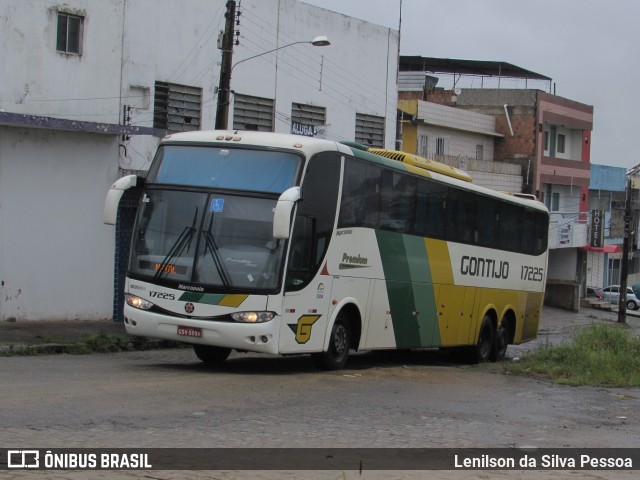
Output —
(596, 233)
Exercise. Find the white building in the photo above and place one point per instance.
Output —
(89, 86)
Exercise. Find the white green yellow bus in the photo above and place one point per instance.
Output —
(283, 244)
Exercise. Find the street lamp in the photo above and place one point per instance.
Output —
(224, 90)
(319, 41)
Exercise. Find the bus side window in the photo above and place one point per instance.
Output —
(360, 204)
(486, 222)
(431, 201)
(528, 232)
(541, 221)
(315, 217)
(509, 236)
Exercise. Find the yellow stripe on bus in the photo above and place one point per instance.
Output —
(439, 261)
(232, 300)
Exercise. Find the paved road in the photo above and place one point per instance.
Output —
(166, 398)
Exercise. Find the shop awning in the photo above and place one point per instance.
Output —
(604, 249)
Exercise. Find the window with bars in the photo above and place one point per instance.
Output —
(177, 108)
(370, 130)
(423, 146)
(308, 114)
(69, 33)
(252, 113)
(440, 146)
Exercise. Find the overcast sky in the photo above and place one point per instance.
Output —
(590, 48)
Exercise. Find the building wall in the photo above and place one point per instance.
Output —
(518, 118)
(455, 118)
(456, 143)
(522, 143)
(56, 255)
(577, 117)
(53, 182)
(38, 80)
(518, 148)
(563, 264)
(496, 181)
(355, 74)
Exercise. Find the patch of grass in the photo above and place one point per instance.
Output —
(599, 355)
(99, 343)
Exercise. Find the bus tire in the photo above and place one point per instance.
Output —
(210, 354)
(481, 352)
(338, 352)
(501, 344)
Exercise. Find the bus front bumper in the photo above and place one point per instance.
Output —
(252, 337)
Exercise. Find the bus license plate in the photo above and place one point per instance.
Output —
(189, 331)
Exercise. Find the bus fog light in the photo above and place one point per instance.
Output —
(137, 302)
(252, 317)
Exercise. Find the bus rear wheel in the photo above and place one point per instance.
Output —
(210, 354)
(502, 342)
(481, 352)
(336, 355)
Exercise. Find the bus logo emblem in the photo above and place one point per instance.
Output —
(189, 307)
(303, 328)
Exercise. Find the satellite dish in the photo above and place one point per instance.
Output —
(457, 91)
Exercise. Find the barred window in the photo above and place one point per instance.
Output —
(177, 108)
(252, 113)
(369, 130)
(308, 114)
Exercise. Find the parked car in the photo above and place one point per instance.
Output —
(612, 294)
(592, 292)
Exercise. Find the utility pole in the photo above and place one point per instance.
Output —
(224, 87)
(622, 305)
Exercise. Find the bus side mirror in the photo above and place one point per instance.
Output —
(282, 215)
(110, 213)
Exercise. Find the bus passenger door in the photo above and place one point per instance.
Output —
(307, 297)
(305, 317)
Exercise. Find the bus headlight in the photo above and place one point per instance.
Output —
(137, 302)
(252, 317)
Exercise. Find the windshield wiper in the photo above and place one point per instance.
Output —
(178, 246)
(212, 247)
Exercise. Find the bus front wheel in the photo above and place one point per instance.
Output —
(336, 355)
(210, 354)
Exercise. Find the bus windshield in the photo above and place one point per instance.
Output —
(217, 240)
(228, 168)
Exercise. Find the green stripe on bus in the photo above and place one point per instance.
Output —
(206, 298)
(399, 289)
(190, 297)
(422, 284)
